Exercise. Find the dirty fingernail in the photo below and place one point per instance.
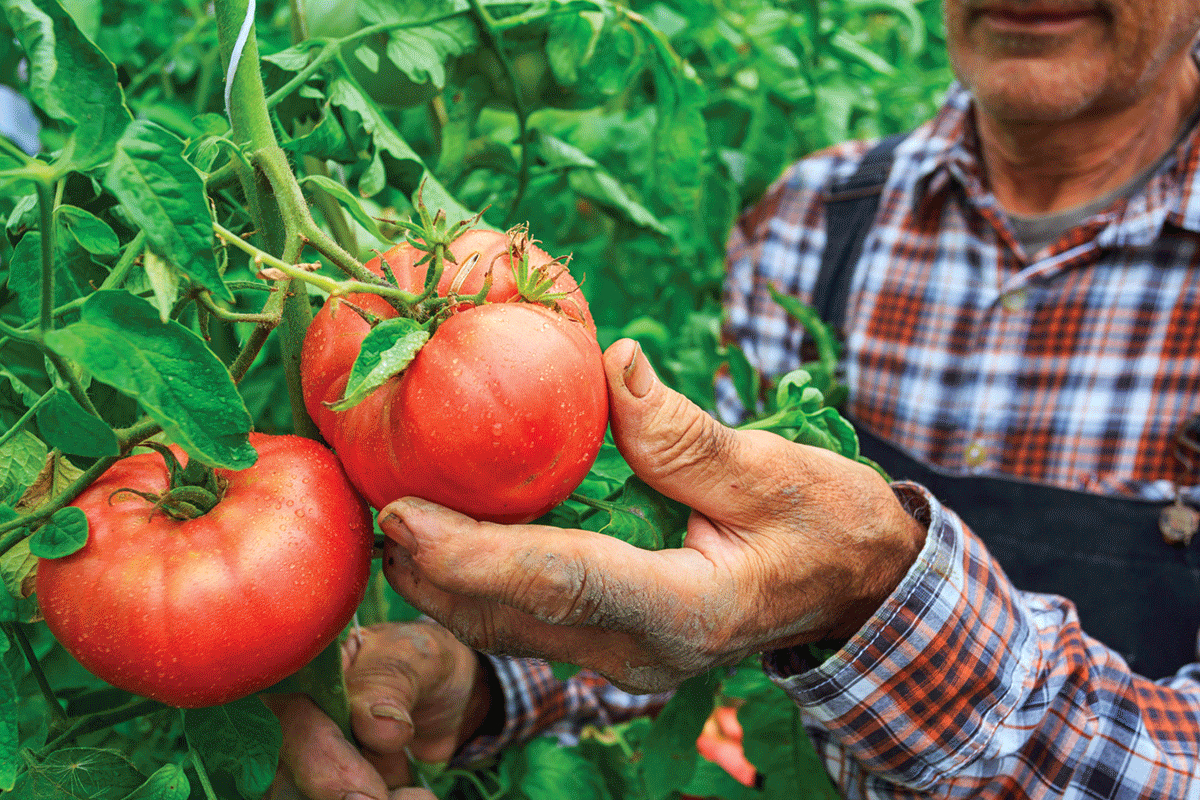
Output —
(392, 712)
(398, 532)
(639, 375)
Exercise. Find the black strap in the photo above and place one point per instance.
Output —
(850, 208)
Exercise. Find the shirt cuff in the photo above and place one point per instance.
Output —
(930, 677)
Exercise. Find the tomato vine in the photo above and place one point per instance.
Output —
(164, 253)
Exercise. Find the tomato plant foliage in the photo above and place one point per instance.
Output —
(171, 231)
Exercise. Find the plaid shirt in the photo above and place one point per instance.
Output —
(1072, 368)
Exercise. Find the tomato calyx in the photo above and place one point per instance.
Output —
(193, 491)
(534, 283)
(432, 235)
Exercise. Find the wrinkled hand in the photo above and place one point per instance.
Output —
(410, 686)
(786, 544)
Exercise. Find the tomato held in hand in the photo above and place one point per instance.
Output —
(499, 416)
(199, 612)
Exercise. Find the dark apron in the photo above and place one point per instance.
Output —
(1134, 592)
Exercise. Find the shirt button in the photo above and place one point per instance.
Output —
(976, 454)
(1016, 300)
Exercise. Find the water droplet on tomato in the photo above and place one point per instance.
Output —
(497, 429)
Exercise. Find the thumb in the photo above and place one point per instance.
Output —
(670, 442)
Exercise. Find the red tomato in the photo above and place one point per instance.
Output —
(203, 611)
(721, 743)
(501, 413)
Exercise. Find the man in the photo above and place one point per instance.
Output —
(1026, 305)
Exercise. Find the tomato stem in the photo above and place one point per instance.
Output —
(98, 721)
(58, 717)
(202, 774)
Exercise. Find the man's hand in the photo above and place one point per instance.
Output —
(786, 544)
(413, 689)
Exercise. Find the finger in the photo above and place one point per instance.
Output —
(412, 794)
(316, 756)
(557, 576)
(494, 627)
(382, 691)
(669, 441)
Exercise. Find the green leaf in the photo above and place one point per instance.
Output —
(642, 516)
(169, 782)
(774, 739)
(563, 671)
(326, 140)
(822, 335)
(542, 770)
(592, 181)
(421, 52)
(744, 377)
(17, 569)
(10, 738)
(75, 271)
(348, 201)
(180, 383)
(164, 195)
(346, 95)
(66, 425)
(386, 351)
(70, 79)
(240, 739)
(78, 773)
(669, 755)
(21, 459)
(64, 534)
(93, 234)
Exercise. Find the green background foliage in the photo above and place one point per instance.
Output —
(628, 135)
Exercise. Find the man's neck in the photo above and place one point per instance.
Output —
(1044, 168)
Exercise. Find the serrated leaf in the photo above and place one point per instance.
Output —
(592, 181)
(64, 534)
(421, 52)
(345, 95)
(70, 79)
(180, 383)
(326, 140)
(78, 773)
(386, 351)
(163, 194)
(164, 282)
(348, 201)
(10, 737)
(293, 59)
(642, 517)
(66, 425)
(169, 782)
(669, 754)
(21, 459)
(240, 739)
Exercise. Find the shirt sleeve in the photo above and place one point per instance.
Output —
(538, 703)
(962, 686)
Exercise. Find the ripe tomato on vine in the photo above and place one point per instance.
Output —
(500, 414)
(196, 606)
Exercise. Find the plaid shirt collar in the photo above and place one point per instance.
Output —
(946, 155)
